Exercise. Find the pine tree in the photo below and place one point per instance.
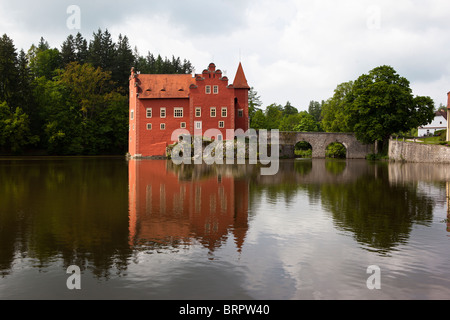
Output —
(81, 48)
(102, 51)
(68, 53)
(124, 61)
(8, 72)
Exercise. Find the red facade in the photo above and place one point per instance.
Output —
(163, 103)
(166, 207)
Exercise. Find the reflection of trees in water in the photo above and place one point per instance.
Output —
(46, 208)
(45, 213)
(335, 167)
(379, 213)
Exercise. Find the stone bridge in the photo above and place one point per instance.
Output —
(319, 142)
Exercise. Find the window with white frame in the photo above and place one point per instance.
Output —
(162, 112)
(207, 89)
(149, 126)
(219, 137)
(162, 126)
(148, 112)
(183, 125)
(178, 112)
(198, 112)
(240, 113)
(132, 114)
(198, 124)
(215, 89)
(224, 112)
(213, 112)
(221, 124)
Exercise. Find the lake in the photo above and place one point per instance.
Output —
(148, 229)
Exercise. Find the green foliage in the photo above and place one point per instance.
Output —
(254, 103)
(274, 114)
(8, 71)
(15, 130)
(286, 118)
(71, 101)
(258, 121)
(306, 123)
(315, 109)
(333, 115)
(336, 150)
(375, 106)
(303, 150)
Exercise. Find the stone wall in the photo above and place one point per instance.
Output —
(417, 152)
(319, 142)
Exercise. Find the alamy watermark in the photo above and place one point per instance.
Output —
(73, 22)
(374, 281)
(373, 21)
(74, 281)
(250, 146)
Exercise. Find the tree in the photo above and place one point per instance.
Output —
(333, 110)
(102, 51)
(375, 106)
(81, 49)
(44, 62)
(124, 61)
(68, 51)
(102, 113)
(382, 103)
(8, 71)
(15, 131)
(258, 121)
(289, 109)
(254, 103)
(24, 89)
(306, 123)
(315, 109)
(274, 114)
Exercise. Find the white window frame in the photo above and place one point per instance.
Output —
(147, 111)
(149, 126)
(211, 111)
(162, 126)
(222, 112)
(132, 114)
(208, 89)
(183, 125)
(215, 89)
(240, 113)
(198, 124)
(221, 124)
(175, 112)
(161, 111)
(199, 109)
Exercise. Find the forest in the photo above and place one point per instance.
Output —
(71, 100)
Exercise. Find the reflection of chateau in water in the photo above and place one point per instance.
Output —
(171, 205)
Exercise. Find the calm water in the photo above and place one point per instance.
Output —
(151, 230)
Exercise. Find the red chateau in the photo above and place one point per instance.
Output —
(162, 103)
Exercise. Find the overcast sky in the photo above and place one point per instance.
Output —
(294, 51)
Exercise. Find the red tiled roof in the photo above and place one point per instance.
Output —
(239, 80)
(164, 85)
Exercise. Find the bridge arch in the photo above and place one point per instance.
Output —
(319, 142)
